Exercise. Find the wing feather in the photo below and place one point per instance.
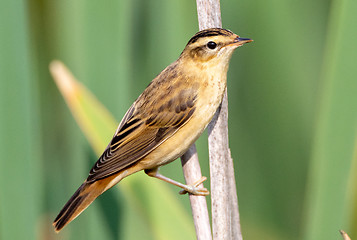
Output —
(148, 123)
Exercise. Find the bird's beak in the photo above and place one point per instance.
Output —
(238, 41)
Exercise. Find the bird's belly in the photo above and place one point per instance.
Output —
(175, 146)
(180, 141)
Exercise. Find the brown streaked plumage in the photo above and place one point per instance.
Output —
(164, 121)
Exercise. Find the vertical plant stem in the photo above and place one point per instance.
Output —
(225, 214)
(209, 14)
(192, 172)
(220, 198)
(235, 219)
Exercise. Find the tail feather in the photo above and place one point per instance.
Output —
(84, 196)
(80, 200)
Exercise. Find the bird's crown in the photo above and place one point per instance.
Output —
(211, 43)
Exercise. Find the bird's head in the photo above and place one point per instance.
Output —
(213, 45)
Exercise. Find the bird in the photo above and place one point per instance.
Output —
(164, 121)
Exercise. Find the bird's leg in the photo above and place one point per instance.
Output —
(192, 189)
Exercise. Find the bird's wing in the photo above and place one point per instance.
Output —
(148, 123)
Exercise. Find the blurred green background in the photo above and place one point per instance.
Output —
(292, 102)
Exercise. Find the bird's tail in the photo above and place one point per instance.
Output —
(80, 200)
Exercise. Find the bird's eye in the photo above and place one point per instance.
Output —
(211, 45)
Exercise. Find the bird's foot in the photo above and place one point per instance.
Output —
(194, 189)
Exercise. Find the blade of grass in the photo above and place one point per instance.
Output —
(20, 142)
(335, 138)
